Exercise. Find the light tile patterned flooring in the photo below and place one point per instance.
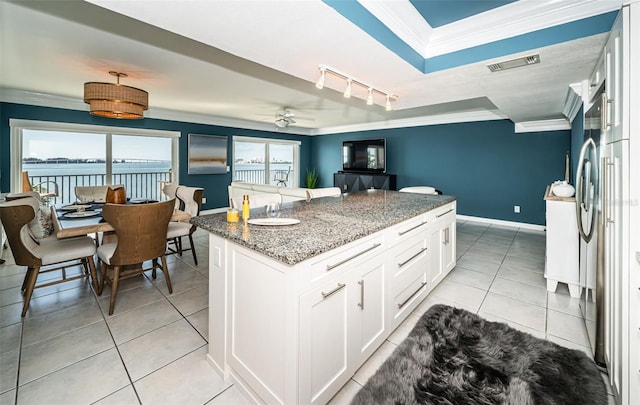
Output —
(67, 350)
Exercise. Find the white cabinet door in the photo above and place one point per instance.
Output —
(613, 57)
(442, 247)
(563, 240)
(324, 348)
(616, 216)
(448, 245)
(367, 309)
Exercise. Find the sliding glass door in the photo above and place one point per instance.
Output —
(266, 161)
(141, 160)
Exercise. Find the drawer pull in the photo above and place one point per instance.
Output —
(330, 293)
(444, 213)
(412, 257)
(411, 229)
(403, 303)
(333, 266)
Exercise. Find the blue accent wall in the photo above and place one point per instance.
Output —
(215, 185)
(488, 166)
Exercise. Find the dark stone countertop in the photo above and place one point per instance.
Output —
(325, 223)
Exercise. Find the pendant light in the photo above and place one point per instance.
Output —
(115, 100)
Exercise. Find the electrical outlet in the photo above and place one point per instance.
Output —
(204, 200)
(516, 209)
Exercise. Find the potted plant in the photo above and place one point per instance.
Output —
(311, 179)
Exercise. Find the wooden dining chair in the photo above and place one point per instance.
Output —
(190, 199)
(140, 236)
(43, 255)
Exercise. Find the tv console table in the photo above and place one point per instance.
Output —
(352, 182)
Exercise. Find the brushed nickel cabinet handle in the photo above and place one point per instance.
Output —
(444, 213)
(333, 266)
(361, 303)
(412, 257)
(330, 293)
(403, 303)
(400, 233)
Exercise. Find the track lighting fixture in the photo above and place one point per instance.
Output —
(350, 81)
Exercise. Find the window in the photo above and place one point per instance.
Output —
(266, 161)
(81, 155)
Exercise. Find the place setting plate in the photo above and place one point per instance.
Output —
(75, 207)
(81, 214)
(273, 221)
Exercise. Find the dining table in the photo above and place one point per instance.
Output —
(85, 219)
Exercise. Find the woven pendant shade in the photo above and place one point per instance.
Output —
(115, 100)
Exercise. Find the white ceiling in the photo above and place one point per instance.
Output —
(238, 63)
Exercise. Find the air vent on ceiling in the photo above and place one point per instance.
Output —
(514, 63)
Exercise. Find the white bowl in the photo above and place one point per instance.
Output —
(563, 190)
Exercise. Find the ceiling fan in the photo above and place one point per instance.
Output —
(284, 118)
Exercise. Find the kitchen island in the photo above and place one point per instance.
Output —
(295, 310)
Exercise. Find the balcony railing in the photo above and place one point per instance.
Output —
(137, 185)
(257, 176)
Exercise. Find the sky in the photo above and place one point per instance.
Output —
(52, 144)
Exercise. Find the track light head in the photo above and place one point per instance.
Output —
(347, 92)
(320, 82)
(387, 105)
(370, 97)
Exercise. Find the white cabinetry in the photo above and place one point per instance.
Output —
(562, 255)
(297, 333)
(621, 211)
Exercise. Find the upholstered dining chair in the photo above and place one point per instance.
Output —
(190, 199)
(93, 193)
(140, 236)
(42, 188)
(46, 254)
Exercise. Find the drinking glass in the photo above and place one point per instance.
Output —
(272, 210)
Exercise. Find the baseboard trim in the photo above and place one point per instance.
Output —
(511, 224)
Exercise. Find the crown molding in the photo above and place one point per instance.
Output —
(70, 103)
(416, 122)
(573, 101)
(403, 20)
(513, 19)
(45, 100)
(510, 20)
(559, 124)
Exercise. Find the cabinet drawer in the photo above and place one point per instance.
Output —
(409, 261)
(347, 257)
(444, 212)
(406, 299)
(408, 229)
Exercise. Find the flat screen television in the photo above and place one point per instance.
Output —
(364, 156)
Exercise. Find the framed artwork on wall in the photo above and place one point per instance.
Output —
(207, 154)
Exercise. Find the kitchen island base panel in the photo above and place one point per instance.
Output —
(297, 333)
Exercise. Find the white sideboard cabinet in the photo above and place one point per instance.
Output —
(562, 253)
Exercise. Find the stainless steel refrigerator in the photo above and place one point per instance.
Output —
(590, 226)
